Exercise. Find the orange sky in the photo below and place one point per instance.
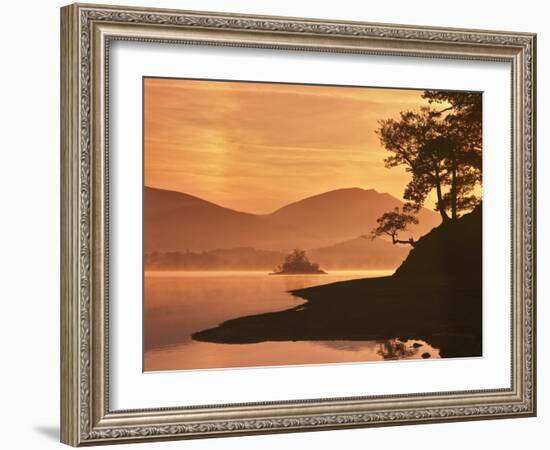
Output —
(255, 147)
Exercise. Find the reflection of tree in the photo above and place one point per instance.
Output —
(394, 349)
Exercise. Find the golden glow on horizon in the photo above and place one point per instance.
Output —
(256, 147)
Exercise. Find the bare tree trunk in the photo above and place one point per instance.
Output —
(411, 241)
(453, 188)
(440, 206)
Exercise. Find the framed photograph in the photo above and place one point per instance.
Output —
(276, 224)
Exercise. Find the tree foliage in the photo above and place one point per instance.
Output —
(440, 148)
(393, 222)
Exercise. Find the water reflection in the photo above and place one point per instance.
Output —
(410, 349)
(177, 304)
(389, 349)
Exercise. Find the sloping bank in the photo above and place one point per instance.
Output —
(435, 295)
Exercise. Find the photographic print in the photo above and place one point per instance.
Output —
(293, 224)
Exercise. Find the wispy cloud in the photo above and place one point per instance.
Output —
(258, 146)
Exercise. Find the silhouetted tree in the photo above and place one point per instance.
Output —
(466, 104)
(462, 117)
(440, 148)
(391, 223)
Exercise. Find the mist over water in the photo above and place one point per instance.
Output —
(177, 304)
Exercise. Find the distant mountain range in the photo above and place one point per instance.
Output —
(328, 225)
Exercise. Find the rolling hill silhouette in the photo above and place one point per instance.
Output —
(344, 213)
(175, 221)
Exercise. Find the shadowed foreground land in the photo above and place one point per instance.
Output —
(435, 296)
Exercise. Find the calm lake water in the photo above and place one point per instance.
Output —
(177, 304)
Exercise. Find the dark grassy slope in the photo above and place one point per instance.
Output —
(435, 295)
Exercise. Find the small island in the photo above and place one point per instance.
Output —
(297, 263)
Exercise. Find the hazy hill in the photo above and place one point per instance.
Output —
(175, 221)
(179, 222)
(354, 254)
(346, 213)
(244, 258)
(360, 253)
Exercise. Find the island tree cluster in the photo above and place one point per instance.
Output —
(297, 262)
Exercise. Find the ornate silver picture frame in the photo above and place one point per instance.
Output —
(87, 33)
